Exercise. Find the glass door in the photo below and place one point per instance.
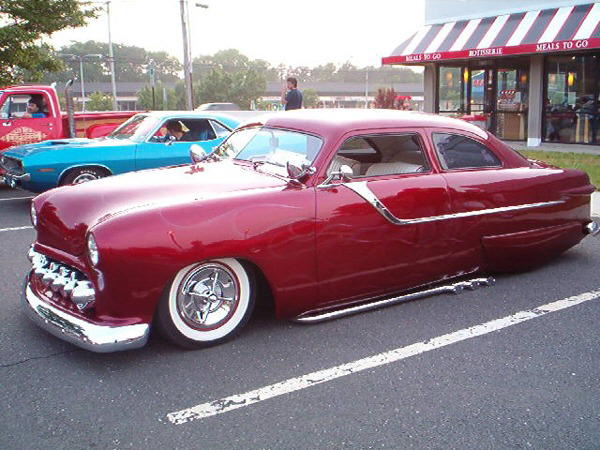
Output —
(511, 103)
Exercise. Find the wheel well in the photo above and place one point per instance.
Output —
(264, 294)
(91, 166)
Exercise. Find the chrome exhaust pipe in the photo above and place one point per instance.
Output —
(455, 288)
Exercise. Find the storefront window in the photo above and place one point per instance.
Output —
(451, 90)
(572, 96)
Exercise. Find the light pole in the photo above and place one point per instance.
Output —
(81, 82)
(111, 56)
(187, 52)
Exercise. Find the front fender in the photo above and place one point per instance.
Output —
(141, 250)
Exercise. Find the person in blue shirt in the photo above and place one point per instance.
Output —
(35, 109)
(292, 97)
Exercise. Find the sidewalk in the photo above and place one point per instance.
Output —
(553, 147)
(596, 204)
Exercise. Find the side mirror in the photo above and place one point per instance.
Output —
(170, 140)
(197, 153)
(298, 173)
(345, 173)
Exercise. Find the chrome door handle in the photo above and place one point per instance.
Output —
(6, 124)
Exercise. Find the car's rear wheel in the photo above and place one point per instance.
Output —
(207, 303)
(82, 175)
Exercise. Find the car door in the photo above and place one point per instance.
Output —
(158, 151)
(374, 235)
(17, 130)
(487, 195)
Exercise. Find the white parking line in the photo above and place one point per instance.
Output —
(16, 228)
(230, 403)
(15, 198)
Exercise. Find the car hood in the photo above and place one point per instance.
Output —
(23, 151)
(66, 214)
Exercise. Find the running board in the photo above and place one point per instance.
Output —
(455, 288)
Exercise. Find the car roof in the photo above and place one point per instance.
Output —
(325, 121)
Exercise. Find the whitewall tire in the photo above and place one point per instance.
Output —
(207, 303)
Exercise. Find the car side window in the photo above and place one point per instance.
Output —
(382, 154)
(185, 130)
(14, 106)
(220, 130)
(460, 152)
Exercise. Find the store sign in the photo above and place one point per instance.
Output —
(560, 46)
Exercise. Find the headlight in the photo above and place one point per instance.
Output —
(33, 213)
(92, 250)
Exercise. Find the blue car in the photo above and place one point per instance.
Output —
(145, 141)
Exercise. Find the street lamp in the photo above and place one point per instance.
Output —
(81, 83)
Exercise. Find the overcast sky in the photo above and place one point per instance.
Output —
(293, 32)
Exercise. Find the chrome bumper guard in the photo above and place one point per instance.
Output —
(72, 285)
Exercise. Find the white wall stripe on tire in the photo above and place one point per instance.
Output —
(16, 228)
(226, 404)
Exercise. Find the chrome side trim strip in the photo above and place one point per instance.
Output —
(361, 188)
(455, 288)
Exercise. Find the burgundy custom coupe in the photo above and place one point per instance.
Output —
(325, 212)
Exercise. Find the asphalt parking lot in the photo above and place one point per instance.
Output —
(528, 377)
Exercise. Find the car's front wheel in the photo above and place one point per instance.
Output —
(207, 303)
(82, 175)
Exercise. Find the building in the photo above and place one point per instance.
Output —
(528, 72)
(331, 94)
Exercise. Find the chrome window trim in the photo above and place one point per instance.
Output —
(361, 188)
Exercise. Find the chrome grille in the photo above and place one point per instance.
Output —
(62, 279)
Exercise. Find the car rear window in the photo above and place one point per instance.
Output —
(456, 151)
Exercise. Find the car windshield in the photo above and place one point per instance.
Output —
(136, 128)
(271, 146)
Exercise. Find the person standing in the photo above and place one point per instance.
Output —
(291, 96)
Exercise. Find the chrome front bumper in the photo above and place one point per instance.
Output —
(84, 334)
(11, 179)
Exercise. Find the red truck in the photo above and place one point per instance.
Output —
(18, 130)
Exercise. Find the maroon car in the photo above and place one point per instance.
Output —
(324, 212)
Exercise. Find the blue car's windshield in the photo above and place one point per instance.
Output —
(136, 128)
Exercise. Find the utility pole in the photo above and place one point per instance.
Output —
(81, 85)
(187, 64)
(367, 89)
(111, 57)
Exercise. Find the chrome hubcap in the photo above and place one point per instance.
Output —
(208, 296)
(83, 177)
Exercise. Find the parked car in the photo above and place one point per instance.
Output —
(140, 143)
(18, 128)
(319, 210)
(218, 107)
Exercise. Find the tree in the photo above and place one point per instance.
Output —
(385, 98)
(175, 98)
(310, 98)
(25, 22)
(229, 76)
(131, 63)
(99, 102)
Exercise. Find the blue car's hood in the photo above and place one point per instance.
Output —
(60, 144)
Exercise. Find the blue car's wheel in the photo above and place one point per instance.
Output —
(82, 175)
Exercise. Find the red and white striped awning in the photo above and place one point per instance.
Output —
(571, 28)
